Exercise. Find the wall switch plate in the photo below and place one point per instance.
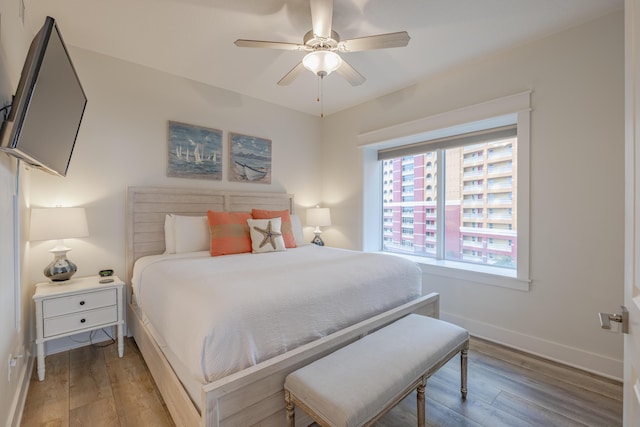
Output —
(21, 10)
(10, 364)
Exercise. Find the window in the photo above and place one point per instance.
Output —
(461, 227)
(473, 223)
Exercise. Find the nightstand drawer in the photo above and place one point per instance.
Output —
(85, 319)
(81, 302)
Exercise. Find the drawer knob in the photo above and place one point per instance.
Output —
(83, 320)
(81, 302)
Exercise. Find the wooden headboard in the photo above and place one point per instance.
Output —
(147, 207)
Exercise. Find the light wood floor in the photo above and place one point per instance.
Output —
(93, 387)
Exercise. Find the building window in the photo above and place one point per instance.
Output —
(475, 219)
(459, 228)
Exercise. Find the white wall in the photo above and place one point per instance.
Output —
(15, 293)
(577, 164)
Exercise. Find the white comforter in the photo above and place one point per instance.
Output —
(222, 314)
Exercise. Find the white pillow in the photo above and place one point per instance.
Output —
(191, 233)
(169, 234)
(266, 235)
(296, 226)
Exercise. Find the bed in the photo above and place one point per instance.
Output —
(205, 391)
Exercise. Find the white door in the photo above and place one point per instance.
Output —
(632, 214)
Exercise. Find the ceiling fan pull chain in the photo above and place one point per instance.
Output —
(321, 96)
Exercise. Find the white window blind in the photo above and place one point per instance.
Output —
(479, 136)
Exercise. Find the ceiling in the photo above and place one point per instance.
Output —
(194, 38)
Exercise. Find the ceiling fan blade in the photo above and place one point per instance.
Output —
(350, 74)
(268, 45)
(292, 75)
(321, 17)
(381, 41)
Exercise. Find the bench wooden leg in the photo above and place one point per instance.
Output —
(421, 403)
(463, 372)
(291, 414)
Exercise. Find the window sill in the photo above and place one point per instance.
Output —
(469, 272)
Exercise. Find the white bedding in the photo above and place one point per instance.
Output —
(219, 315)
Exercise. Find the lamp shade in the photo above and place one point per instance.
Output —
(319, 217)
(322, 62)
(58, 223)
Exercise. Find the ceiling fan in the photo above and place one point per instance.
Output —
(322, 45)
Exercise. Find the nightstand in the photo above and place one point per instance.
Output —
(77, 305)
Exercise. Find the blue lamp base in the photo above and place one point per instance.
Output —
(317, 240)
(61, 268)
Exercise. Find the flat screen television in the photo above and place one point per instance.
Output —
(48, 106)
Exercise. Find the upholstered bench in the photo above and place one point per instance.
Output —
(359, 383)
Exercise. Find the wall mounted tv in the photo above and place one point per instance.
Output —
(47, 109)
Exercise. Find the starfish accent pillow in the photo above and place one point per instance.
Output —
(266, 235)
(286, 228)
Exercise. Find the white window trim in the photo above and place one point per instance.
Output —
(437, 126)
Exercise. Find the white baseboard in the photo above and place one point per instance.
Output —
(591, 362)
(19, 400)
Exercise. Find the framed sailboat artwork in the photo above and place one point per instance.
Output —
(194, 152)
(249, 159)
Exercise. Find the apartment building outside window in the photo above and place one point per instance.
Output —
(470, 203)
(460, 198)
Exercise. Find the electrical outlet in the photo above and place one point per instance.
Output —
(12, 363)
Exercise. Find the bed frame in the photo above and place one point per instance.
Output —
(254, 395)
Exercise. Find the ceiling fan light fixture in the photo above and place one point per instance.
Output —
(322, 62)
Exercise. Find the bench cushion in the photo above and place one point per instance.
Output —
(353, 384)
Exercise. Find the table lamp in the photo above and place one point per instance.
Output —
(318, 217)
(58, 224)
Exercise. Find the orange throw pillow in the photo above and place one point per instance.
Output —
(229, 232)
(286, 229)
